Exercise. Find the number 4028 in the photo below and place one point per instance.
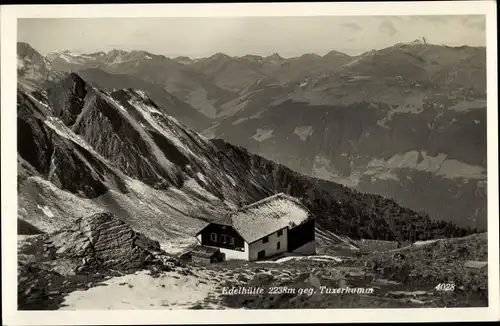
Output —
(445, 287)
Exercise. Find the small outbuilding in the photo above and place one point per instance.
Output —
(203, 254)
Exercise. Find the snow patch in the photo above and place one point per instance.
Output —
(62, 130)
(71, 57)
(144, 292)
(146, 111)
(193, 185)
(439, 164)
(424, 243)
(464, 106)
(201, 177)
(118, 59)
(238, 121)
(263, 134)
(46, 211)
(118, 105)
(143, 106)
(228, 177)
(303, 132)
(20, 63)
(64, 206)
(304, 83)
(142, 94)
(322, 258)
(37, 101)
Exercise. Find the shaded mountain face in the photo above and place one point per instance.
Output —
(407, 122)
(83, 151)
(169, 103)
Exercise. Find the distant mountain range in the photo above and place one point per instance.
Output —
(406, 122)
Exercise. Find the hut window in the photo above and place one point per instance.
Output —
(231, 241)
(278, 245)
(213, 237)
(223, 238)
(265, 240)
(280, 233)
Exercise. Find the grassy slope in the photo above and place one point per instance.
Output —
(438, 262)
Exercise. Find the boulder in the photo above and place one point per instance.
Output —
(104, 240)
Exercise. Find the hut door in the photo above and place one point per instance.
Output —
(261, 254)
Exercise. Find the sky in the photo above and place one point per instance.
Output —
(237, 36)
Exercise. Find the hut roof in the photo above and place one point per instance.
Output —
(266, 216)
(269, 215)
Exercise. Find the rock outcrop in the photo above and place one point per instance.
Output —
(103, 241)
(88, 251)
(67, 98)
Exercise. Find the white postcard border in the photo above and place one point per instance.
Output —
(8, 20)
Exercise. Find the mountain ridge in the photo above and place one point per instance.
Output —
(274, 54)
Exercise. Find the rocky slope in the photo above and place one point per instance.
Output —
(82, 152)
(34, 70)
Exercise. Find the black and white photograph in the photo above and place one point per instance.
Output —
(241, 162)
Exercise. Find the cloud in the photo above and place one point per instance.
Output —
(436, 19)
(352, 26)
(290, 36)
(142, 34)
(477, 22)
(387, 27)
(432, 18)
(398, 18)
(478, 25)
